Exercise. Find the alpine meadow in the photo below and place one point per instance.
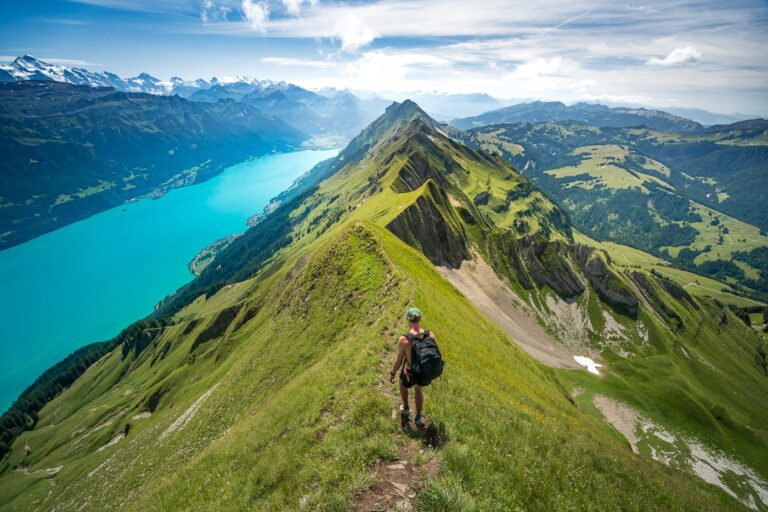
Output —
(383, 256)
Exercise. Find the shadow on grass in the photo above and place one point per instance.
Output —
(432, 435)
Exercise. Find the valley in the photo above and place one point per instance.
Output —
(675, 195)
(383, 256)
(355, 241)
(74, 151)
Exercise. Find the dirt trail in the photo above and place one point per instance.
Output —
(396, 483)
(480, 284)
(187, 415)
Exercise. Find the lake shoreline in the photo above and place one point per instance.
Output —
(125, 260)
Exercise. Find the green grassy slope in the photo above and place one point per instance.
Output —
(297, 407)
(271, 393)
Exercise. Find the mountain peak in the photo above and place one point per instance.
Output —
(405, 109)
(147, 77)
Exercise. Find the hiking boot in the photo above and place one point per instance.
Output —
(405, 410)
(419, 421)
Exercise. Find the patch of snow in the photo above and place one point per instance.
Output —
(589, 364)
(141, 415)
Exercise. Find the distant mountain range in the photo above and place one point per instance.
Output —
(707, 118)
(341, 114)
(445, 107)
(594, 114)
(336, 117)
(28, 67)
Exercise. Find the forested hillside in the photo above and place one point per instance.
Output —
(72, 151)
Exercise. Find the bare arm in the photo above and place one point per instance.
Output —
(403, 354)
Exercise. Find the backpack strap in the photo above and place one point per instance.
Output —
(411, 339)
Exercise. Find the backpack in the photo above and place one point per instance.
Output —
(426, 361)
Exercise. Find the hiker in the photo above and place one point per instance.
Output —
(419, 361)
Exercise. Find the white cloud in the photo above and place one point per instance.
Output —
(70, 62)
(680, 55)
(211, 11)
(353, 32)
(256, 13)
(537, 67)
(294, 6)
(586, 49)
(290, 61)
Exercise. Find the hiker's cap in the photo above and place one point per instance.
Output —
(413, 314)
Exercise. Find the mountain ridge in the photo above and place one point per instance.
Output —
(326, 276)
(595, 114)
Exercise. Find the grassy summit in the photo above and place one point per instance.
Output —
(267, 389)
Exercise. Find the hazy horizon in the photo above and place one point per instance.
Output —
(678, 55)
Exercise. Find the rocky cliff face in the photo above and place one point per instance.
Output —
(649, 292)
(608, 285)
(430, 225)
(548, 264)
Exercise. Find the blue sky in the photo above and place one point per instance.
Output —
(709, 55)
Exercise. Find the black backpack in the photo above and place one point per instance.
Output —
(426, 361)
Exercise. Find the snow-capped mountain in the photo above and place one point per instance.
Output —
(343, 114)
(28, 67)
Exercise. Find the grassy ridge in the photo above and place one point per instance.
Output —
(270, 393)
(297, 413)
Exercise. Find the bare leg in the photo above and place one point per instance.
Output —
(419, 396)
(404, 394)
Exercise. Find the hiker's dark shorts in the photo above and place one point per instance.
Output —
(406, 381)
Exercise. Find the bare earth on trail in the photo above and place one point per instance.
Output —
(480, 284)
(396, 483)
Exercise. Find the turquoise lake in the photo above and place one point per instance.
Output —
(89, 280)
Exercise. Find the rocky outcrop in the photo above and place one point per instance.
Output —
(421, 166)
(677, 291)
(607, 284)
(430, 225)
(547, 264)
(217, 327)
(649, 292)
